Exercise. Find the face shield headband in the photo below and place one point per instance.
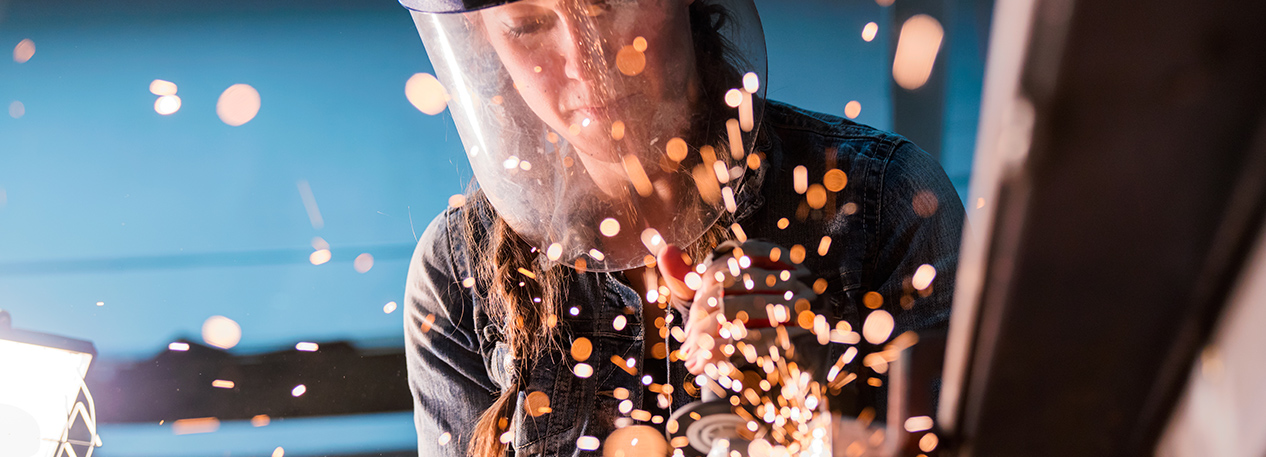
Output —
(601, 129)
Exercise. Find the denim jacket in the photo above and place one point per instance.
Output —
(896, 212)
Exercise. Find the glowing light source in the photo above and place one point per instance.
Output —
(389, 308)
(537, 404)
(195, 425)
(223, 384)
(923, 276)
(852, 109)
(677, 149)
(363, 262)
(639, 44)
(800, 179)
(878, 326)
(733, 98)
(445, 438)
(918, 424)
(609, 227)
(869, 31)
(751, 82)
(39, 392)
(178, 346)
(24, 51)
(554, 251)
(917, 46)
(319, 256)
(581, 349)
(221, 332)
(162, 87)
(456, 201)
(260, 420)
(299, 390)
(100, 303)
(167, 104)
(279, 452)
(588, 443)
(630, 61)
(238, 104)
(583, 370)
(426, 93)
(307, 346)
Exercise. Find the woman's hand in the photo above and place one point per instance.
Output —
(737, 283)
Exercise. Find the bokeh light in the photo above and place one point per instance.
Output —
(923, 276)
(609, 227)
(162, 87)
(167, 104)
(319, 256)
(221, 332)
(24, 51)
(426, 93)
(852, 109)
(878, 326)
(299, 390)
(363, 262)
(238, 104)
(917, 46)
(16, 109)
(869, 31)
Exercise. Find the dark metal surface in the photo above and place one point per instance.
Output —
(1117, 242)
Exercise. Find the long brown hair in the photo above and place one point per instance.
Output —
(528, 305)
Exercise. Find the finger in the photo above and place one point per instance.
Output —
(673, 267)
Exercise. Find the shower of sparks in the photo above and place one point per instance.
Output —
(238, 104)
(426, 93)
(307, 346)
(917, 46)
(869, 31)
(24, 51)
(852, 109)
(310, 204)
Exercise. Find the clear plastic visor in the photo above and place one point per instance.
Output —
(600, 130)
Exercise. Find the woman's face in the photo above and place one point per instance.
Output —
(586, 66)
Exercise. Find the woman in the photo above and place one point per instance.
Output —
(608, 137)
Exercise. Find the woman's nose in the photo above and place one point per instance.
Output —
(582, 51)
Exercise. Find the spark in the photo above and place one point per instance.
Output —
(222, 384)
(195, 425)
(389, 308)
(161, 87)
(800, 179)
(24, 51)
(852, 109)
(167, 104)
(869, 31)
(221, 332)
(238, 104)
(917, 46)
(878, 326)
(609, 227)
(178, 347)
(299, 390)
(363, 262)
(923, 276)
(306, 346)
(310, 204)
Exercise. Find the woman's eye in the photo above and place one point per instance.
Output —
(526, 26)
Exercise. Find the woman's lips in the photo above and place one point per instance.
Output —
(600, 112)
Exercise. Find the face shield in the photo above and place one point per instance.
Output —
(600, 130)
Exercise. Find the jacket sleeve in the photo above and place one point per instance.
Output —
(920, 223)
(447, 374)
